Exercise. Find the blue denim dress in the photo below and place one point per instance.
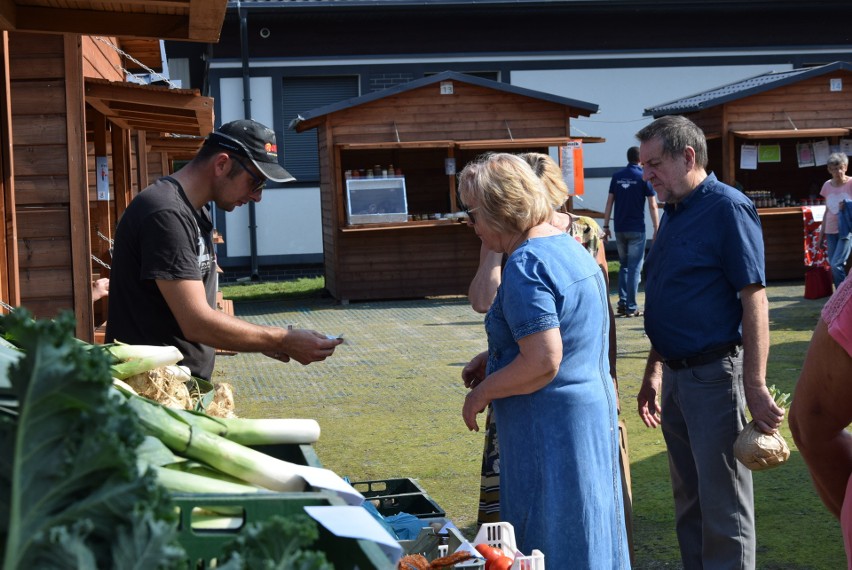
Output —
(559, 475)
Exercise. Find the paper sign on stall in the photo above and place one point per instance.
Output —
(571, 157)
(769, 153)
(748, 157)
(821, 152)
(805, 152)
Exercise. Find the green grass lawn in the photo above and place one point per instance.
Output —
(402, 419)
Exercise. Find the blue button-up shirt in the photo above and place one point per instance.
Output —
(708, 248)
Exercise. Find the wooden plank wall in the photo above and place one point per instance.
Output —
(39, 131)
(808, 104)
(100, 60)
(783, 244)
(407, 262)
(470, 113)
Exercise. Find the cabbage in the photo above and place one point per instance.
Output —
(70, 492)
(759, 451)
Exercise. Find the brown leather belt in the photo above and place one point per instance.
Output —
(703, 358)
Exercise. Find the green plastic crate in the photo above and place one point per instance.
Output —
(394, 496)
(203, 544)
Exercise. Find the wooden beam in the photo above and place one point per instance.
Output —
(78, 201)
(792, 133)
(141, 160)
(121, 169)
(8, 14)
(206, 18)
(10, 290)
(102, 23)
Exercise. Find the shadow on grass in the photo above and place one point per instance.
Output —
(794, 530)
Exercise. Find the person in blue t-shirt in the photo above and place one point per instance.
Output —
(707, 319)
(628, 192)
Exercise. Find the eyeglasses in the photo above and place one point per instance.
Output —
(470, 215)
(259, 182)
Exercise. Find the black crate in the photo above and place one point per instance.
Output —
(394, 496)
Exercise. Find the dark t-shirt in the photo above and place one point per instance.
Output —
(160, 236)
(631, 193)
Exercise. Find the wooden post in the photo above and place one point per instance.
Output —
(10, 291)
(78, 202)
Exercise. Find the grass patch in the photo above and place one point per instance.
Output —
(301, 288)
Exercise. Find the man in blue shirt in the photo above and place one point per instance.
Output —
(708, 323)
(628, 191)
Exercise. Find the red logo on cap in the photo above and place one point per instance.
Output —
(271, 148)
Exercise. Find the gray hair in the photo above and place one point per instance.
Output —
(838, 159)
(677, 133)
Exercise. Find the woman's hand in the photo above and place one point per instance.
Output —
(474, 403)
(474, 372)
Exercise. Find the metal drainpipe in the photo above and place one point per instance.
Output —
(247, 114)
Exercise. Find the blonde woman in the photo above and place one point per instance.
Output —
(546, 374)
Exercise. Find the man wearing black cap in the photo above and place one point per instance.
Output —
(163, 278)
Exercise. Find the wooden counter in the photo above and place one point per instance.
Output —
(783, 242)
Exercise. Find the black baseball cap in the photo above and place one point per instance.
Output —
(254, 141)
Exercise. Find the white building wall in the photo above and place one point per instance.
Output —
(288, 220)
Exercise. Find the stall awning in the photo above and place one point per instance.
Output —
(151, 108)
(184, 20)
(792, 133)
(177, 147)
(524, 143)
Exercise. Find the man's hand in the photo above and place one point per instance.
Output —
(304, 346)
(649, 403)
(767, 415)
(648, 399)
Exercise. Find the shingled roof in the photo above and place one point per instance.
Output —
(740, 89)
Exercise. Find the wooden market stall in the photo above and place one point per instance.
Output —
(51, 130)
(787, 118)
(388, 162)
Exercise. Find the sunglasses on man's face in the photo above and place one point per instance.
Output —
(259, 182)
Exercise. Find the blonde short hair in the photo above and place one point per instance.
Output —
(507, 192)
(551, 175)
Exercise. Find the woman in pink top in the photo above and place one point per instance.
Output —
(835, 191)
(822, 409)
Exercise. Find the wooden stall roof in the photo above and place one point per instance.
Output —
(741, 89)
(183, 20)
(151, 108)
(315, 117)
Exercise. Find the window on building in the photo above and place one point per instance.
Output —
(302, 94)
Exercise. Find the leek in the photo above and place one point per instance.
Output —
(214, 450)
(264, 431)
(132, 359)
(184, 482)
